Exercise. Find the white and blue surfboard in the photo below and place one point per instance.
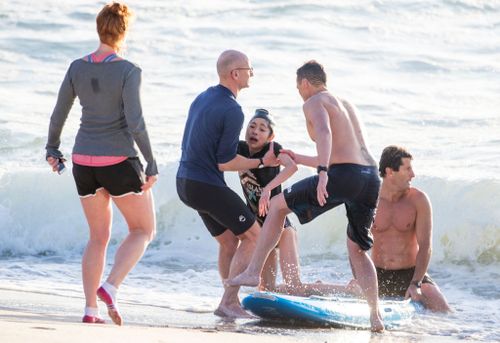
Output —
(328, 311)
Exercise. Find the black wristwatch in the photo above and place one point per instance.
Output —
(417, 284)
(261, 164)
(319, 169)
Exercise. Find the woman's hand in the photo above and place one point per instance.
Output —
(150, 181)
(53, 162)
(264, 201)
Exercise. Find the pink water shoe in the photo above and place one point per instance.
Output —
(92, 320)
(111, 304)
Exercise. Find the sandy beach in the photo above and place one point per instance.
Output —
(47, 321)
(20, 326)
(43, 318)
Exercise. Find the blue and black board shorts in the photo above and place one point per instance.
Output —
(220, 208)
(353, 185)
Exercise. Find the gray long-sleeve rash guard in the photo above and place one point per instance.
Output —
(111, 120)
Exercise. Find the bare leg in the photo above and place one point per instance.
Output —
(289, 261)
(433, 299)
(268, 238)
(138, 211)
(228, 243)
(99, 213)
(290, 266)
(268, 276)
(230, 304)
(365, 273)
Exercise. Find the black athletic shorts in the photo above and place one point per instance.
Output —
(219, 207)
(118, 179)
(394, 283)
(353, 185)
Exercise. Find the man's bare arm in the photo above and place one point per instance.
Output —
(309, 161)
(423, 228)
(318, 117)
(316, 113)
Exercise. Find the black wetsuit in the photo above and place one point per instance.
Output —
(253, 180)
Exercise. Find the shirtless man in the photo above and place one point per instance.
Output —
(347, 174)
(403, 234)
(209, 147)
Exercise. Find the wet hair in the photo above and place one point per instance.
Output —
(262, 113)
(392, 157)
(313, 72)
(112, 23)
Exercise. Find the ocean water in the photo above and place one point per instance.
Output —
(423, 74)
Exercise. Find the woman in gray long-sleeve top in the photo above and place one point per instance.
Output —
(105, 162)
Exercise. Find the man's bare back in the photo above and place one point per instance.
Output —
(348, 143)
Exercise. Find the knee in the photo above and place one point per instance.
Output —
(100, 239)
(148, 233)
(151, 235)
(431, 291)
(251, 234)
(355, 249)
(229, 247)
(278, 205)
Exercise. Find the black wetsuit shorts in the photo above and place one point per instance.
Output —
(394, 283)
(220, 208)
(353, 185)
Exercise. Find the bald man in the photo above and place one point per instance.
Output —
(209, 148)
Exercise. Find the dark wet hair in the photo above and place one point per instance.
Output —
(392, 157)
(262, 113)
(313, 72)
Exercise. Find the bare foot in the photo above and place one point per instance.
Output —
(232, 311)
(244, 279)
(377, 325)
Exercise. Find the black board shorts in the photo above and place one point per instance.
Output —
(394, 283)
(118, 179)
(353, 185)
(220, 208)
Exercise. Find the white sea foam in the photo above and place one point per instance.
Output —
(466, 223)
